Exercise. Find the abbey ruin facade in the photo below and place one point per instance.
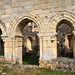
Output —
(55, 20)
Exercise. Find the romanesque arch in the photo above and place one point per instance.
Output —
(18, 28)
(61, 17)
(32, 17)
(3, 28)
(58, 17)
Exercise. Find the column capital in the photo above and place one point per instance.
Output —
(4, 35)
(54, 34)
(15, 35)
(44, 34)
(74, 33)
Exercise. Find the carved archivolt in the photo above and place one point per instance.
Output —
(66, 17)
(3, 28)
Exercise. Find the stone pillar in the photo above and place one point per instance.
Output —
(74, 44)
(45, 49)
(7, 47)
(17, 49)
(47, 53)
(41, 47)
(54, 45)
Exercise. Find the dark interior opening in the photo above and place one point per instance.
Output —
(30, 43)
(1, 44)
(64, 40)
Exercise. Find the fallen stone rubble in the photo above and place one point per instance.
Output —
(61, 63)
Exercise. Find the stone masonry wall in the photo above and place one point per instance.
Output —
(45, 13)
(45, 9)
(61, 63)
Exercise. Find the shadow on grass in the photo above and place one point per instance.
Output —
(31, 59)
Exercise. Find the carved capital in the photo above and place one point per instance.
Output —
(53, 34)
(4, 36)
(74, 33)
(15, 35)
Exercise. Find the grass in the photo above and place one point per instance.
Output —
(35, 71)
(6, 69)
(31, 71)
(4, 62)
(43, 71)
(16, 70)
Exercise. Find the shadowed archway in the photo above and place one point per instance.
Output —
(28, 28)
(64, 39)
(30, 49)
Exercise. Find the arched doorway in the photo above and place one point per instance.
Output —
(1, 44)
(64, 39)
(30, 43)
(30, 48)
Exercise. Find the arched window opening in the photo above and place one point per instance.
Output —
(64, 40)
(29, 44)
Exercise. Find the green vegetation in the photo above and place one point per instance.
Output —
(16, 70)
(4, 62)
(6, 69)
(35, 71)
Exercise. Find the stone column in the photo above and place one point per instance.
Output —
(47, 53)
(54, 45)
(7, 47)
(17, 49)
(74, 44)
(45, 47)
(41, 47)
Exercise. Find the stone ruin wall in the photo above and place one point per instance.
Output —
(46, 14)
(11, 10)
